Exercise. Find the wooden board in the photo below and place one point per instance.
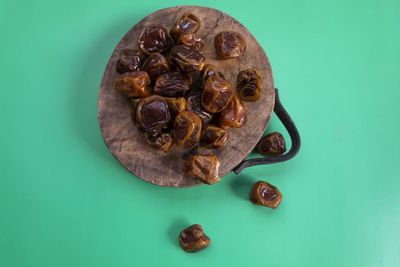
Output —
(127, 143)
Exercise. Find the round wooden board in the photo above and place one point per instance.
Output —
(127, 143)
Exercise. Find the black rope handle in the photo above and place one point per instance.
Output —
(294, 136)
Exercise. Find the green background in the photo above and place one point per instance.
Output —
(65, 201)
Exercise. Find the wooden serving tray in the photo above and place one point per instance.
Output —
(128, 144)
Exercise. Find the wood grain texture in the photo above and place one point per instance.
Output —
(127, 143)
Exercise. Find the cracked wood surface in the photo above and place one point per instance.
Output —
(127, 143)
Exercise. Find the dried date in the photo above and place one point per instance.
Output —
(186, 58)
(193, 239)
(156, 65)
(129, 60)
(213, 137)
(187, 130)
(229, 44)
(265, 194)
(234, 115)
(204, 168)
(216, 94)
(272, 144)
(191, 40)
(188, 22)
(154, 38)
(152, 114)
(133, 84)
(249, 84)
(173, 84)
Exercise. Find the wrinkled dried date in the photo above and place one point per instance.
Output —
(249, 84)
(152, 114)
(173, 84)
(163, 141)
(216, 94)
(202, 167)
(188, 22)
(272, 144)
(186, 58)
(234, 115)
(133, 84)
(193, 104)
(193, 239)
(213, 137)
(176, 105)
(129, 60)
(191, 40)
(154, 38)
(265, 194)
(156, 65)
(187, 129)
(229, 44)
(208, 71)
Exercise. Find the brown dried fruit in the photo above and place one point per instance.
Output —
(187, 129)
(213, 137)
(152, 114)
(272, 144)
(249, 84)
(207, 71)
(163, 141)
(229, 44)
(191, 40)
(129, 60)
(216, 94)
(205, 168)
(186, 58)
(234, 115)
(193, 104)
(193, 239)
(188, 22)
(265, 194)
(175, 105)
(156, 65)
(133, 84)
(173, 84)
(154, 38)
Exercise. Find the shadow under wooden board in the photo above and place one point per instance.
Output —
(128, 144)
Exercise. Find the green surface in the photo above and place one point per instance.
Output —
(65, 201)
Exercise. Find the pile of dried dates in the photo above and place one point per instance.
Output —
(177, 98)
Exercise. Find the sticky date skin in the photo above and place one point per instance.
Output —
(175, 105)
(272, 144)
(229, 44)
(173, 84)
(213, 137)
(152, 114)
(234, 115)
(249, 84)
(265, 194)
(188, 22)
(156, 65)
(193, 239)
(129, 60)
(216, 94)
(133, 84)
(154, 38)
(187, 130)
(204, 168)
(186, 58)
(191, 40)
